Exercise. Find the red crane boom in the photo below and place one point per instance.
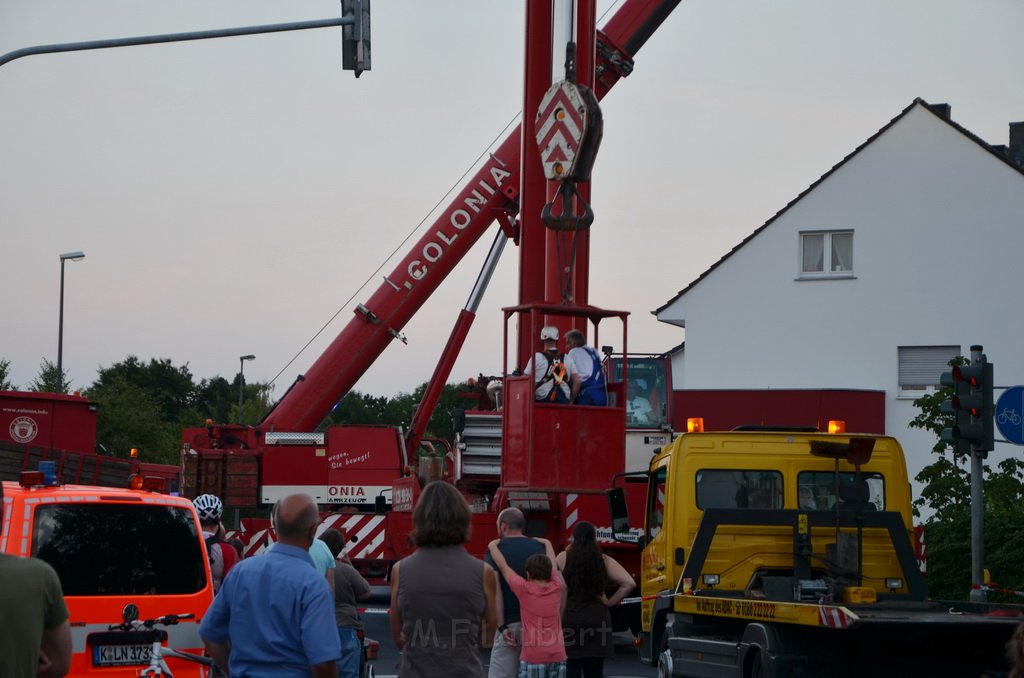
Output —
(491, 194)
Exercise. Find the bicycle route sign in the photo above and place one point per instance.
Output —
(1010, 414)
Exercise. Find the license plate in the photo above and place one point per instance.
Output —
(120, 655)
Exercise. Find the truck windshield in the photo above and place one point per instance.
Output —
(739, 489)
(817, 490)
(107, 549)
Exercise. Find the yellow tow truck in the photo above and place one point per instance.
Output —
(788, 552)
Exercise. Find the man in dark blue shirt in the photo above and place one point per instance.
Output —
(274, 614)
(516, 547)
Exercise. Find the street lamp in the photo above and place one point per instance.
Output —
(73, 256)
(241, 381)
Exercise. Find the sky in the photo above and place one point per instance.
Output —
(232, 196)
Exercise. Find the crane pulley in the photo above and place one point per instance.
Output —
(569, 131)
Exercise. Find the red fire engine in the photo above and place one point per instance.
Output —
(553, 461)
(59, 427)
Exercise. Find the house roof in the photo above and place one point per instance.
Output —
(942, 111)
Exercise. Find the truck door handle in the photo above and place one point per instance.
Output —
(660, 567)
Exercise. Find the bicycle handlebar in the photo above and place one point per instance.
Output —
(166, 620)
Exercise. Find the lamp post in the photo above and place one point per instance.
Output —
(241, 382)
(73, 256)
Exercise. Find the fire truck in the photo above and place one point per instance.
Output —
(61, 428)
(552, 461)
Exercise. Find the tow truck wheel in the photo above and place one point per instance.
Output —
(756, 667)
(665, 664)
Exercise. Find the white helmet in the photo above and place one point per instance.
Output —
(549, 333)
(209, 507)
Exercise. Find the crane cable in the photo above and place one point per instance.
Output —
(400, 246)
(564, 283)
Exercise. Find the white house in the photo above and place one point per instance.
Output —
(903, 255)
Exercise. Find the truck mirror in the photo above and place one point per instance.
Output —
(617, 509)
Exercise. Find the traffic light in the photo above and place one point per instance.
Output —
(355, 38)
(972, 405)
(957, 434)
(988, 409)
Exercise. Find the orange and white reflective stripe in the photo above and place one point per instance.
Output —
(365, 533)
(257, 543)
(832, 617)
(572, 513)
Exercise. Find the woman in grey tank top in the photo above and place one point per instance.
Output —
(440, 595)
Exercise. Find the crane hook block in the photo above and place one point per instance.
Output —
(567, 219)
(569, 129)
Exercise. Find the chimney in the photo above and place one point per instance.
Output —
(944, 111)
(1017, 144)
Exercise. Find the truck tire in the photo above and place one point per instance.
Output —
(755, 665)
(664, 658)
(665, 664)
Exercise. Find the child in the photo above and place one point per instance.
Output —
(541, 600)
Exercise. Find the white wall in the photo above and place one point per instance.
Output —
(938, 236)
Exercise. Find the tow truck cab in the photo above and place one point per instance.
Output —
(780, 474)
(110, 547)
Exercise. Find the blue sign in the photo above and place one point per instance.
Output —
(1010, 414)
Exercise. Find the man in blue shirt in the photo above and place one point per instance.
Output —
(274, 615)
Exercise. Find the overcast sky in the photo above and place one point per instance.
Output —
(231, 195)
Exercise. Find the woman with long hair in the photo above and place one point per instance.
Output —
(440, 595)
(589, 575)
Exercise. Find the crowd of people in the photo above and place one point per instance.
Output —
(283, 614)
(547, 616)
(296, 620)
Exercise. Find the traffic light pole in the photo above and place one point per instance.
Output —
(978, 594)
(972, 433)
(355, 57)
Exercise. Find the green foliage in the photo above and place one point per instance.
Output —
(147, 404)
(130, 416)
(214, 399)
(143, 405)
(171, 387)
(363, 408)
(255, 403)
(46, 380)
(947, 494)
(5, 374)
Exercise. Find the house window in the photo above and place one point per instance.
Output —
(826, 254)
(921, 366)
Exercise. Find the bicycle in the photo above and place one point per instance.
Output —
(147, 633)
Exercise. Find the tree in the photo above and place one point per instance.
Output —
(363, 408)
(144, 405)
(5, 373)
(129, 416)
(214, 399)
(358, 408)
(46, 380)
(947, 493)
(171, 387)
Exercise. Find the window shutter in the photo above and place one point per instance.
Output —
(921, 366)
